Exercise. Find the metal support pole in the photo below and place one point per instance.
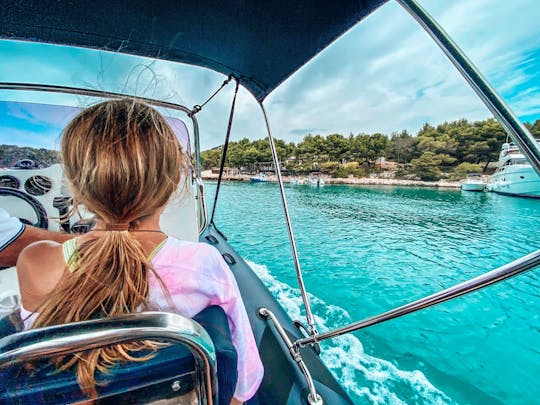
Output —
(305, 299)
(513, 126)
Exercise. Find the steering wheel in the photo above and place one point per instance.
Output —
(39, 210)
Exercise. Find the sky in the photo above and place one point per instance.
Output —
(384, 75)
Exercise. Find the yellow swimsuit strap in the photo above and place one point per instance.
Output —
(70, 249)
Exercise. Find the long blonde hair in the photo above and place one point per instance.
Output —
(123, 162)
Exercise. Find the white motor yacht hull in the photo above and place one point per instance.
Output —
(519, 180)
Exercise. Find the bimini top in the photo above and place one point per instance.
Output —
(261, 42)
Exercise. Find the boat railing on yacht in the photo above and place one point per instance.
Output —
(509, 148)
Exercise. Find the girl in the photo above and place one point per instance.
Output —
(123, 162)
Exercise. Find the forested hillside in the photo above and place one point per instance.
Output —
(449, 150)
(11, 154)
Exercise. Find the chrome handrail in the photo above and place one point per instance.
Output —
(513, 126)
(313, 398)
(512, 269)
(70, 338)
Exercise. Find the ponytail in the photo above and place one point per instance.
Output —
(109, 278)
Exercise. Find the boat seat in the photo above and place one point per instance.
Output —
(187, 371)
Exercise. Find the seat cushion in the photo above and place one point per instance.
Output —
(170, 373)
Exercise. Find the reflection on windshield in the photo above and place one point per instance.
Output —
(30, 133)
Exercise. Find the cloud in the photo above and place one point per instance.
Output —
(387, 74)
(384, 75)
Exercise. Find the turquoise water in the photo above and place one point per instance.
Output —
(365, 250)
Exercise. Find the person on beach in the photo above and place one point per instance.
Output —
(124, 162)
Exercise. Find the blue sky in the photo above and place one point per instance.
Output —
(384, 75)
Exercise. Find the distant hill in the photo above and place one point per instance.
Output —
(11, 154)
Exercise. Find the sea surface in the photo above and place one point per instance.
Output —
(364, 250)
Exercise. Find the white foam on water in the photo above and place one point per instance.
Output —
(366, 378)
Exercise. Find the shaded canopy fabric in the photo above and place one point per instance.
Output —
(262, 42)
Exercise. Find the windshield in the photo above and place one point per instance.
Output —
(30, 132)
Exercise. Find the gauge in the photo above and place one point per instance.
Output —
(26, 164)
(9, 182)
(38, 185)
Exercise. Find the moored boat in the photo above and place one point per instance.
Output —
(297, 180)
(315, 181)
(514, 175)
(474, 182)
(259, 178)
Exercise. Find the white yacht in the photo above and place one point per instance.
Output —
(473, 182)
(514, 174)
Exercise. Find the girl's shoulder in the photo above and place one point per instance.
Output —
(40, 267)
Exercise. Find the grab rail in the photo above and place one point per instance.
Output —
(511, 269)
(79, 336)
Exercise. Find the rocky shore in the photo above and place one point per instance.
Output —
(371, 181)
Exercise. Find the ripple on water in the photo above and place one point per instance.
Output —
(368, 249)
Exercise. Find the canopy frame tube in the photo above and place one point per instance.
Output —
(309, 316)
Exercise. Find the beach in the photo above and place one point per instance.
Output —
(368, 181)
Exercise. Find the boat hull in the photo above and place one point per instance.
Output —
(473, 186)
(517, 180)
(283, 383)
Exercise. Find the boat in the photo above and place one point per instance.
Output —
(246, 42)
(514, 175)
(259, 178)
(474, 182)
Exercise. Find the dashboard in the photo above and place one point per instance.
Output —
(41, 197)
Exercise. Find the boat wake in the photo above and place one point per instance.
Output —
(366, 378)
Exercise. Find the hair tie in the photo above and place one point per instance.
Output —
(117, 227)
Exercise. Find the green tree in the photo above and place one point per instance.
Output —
(211, 158)
(465, 168)
(337, 147)
(367, 148)
(427, 166)
(401, 147)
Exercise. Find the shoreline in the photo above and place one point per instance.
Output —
(364, 181)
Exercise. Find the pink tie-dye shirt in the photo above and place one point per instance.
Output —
(197, 277)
